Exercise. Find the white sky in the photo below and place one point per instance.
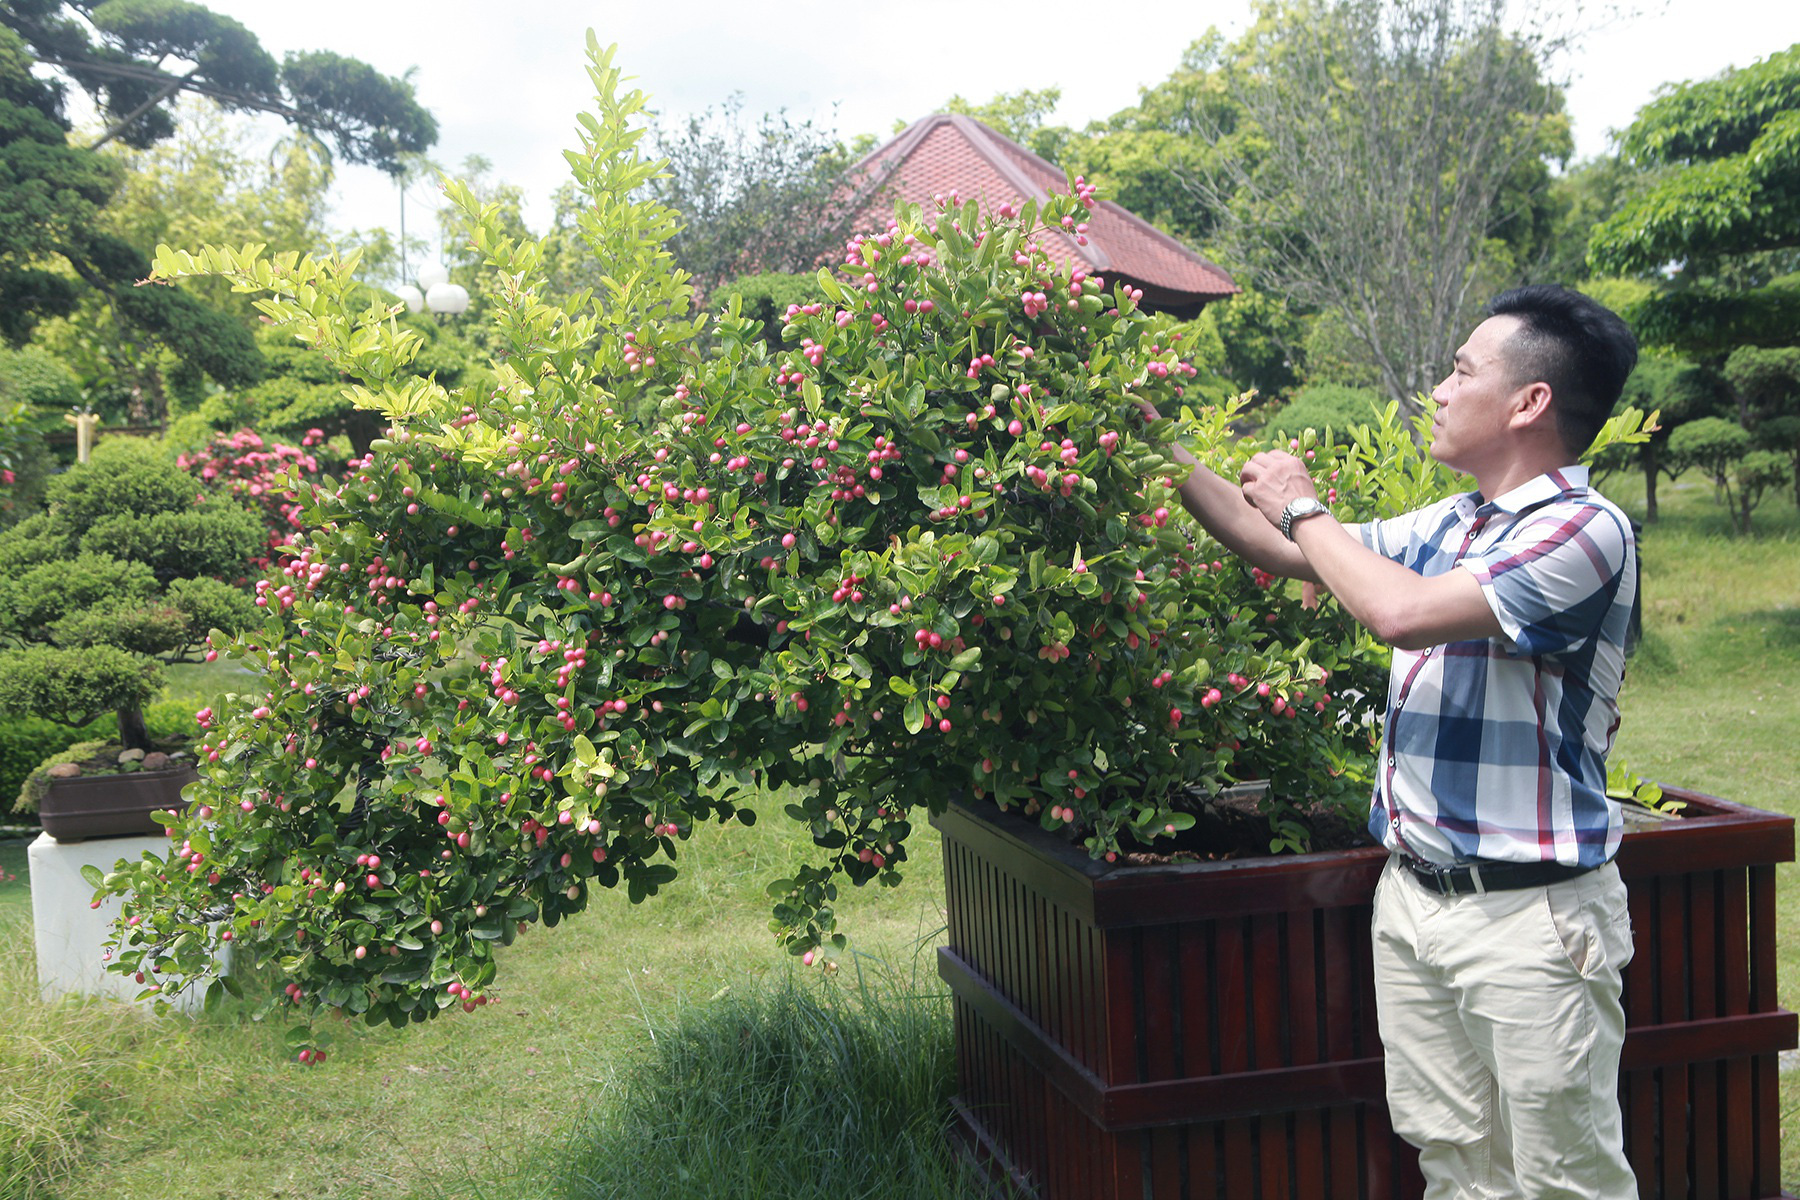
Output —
(505, 80)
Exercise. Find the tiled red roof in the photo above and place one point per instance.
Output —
(949, 152)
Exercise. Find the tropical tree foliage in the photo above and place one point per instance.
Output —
(1723, 212)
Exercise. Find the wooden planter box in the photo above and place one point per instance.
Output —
(1207, 1030)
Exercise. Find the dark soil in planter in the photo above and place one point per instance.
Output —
(1231, 825)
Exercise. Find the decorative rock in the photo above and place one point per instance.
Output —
(132, 755)
(156, 760)
(64, 771)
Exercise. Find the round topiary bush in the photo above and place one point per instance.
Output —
(128, 568)
(1327, 408)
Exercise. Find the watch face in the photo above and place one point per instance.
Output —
(1296, 509)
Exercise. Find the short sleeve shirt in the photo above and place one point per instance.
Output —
(1496, 749)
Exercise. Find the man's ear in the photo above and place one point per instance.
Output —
(1531, 407)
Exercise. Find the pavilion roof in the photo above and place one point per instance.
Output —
(950, 152)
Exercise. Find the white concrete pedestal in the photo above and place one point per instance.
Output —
(70, 933)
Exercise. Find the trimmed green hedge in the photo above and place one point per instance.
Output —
(1325, 405)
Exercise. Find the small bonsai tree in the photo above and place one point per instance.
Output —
(925, 547)
(1724, 451)
(130, 567)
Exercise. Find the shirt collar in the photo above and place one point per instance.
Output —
(1538, 490)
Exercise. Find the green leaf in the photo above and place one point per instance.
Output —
(915, 714)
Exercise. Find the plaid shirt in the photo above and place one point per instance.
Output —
(1496, 749)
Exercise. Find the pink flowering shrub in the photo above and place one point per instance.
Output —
(528, 641)
(269, 476)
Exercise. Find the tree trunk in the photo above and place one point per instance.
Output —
(132, 730)
(1650, 472)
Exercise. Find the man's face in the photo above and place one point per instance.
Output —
(1473, 409)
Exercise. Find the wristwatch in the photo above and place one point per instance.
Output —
(1299, 510)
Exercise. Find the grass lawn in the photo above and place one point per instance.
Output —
(485, 1105)
(475, 1105)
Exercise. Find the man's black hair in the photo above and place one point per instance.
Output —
(1576, 345)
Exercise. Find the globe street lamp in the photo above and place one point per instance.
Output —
(435, 293)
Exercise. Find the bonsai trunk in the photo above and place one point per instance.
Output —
(132, 731)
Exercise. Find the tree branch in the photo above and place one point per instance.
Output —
(175, 84)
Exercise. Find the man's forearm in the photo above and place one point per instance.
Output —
(1220, 506)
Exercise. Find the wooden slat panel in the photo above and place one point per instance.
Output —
(1671, 1008)
(1093, 991)
(1160, 990)
(1229, 997)
(1119, 985)
(1673, 1083)
(1166, 1162)
(1762, 939)
(1275, 1145)
(1638, 1093)
(1203, 1175)
(1704, 984)
(1268, 1005)
(1346, 1151)
(1305, 1037)
(1266, 994)
(1739, 1100)
(1239, 1161)
(1671, 973)
(1381, 1182)
(1767, 1119)
(1734, 938)
(1339, 932)
(1194, 965)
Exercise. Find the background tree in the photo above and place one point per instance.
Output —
(133, 58)
(1723, 212)
(1388, 164)
(208, 180)
(1723, 450)
(1679, 392)
(1767, 384)
(753, 196)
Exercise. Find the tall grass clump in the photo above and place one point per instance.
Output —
(792, 1091)
(54, 1063)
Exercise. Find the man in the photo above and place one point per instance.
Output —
(1500, 926)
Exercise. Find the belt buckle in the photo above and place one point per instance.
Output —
(1479, 889)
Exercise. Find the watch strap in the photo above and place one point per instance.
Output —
(1299, 510)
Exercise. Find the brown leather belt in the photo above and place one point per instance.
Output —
(1475, 878)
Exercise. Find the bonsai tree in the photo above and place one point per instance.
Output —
(925, 547)
(1723, 451)
(129, 567)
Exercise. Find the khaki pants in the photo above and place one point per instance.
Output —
(1501, 1022)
